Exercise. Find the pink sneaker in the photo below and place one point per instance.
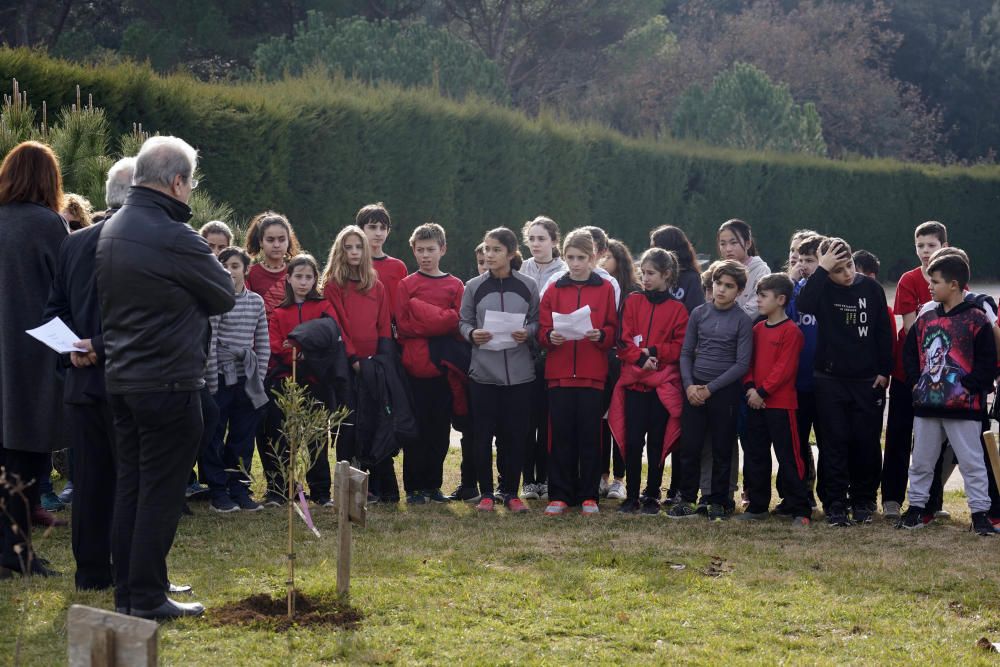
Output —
(590, 507)
(555, 508)
(516, 505)
(485, 505)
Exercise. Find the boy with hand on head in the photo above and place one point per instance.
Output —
(715, 356)
(429, 303)
(911, 294)
(852, 365)
(950, 359)
(771, 397)
(374, 220)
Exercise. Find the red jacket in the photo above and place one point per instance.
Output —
(666, 382)
(775, 363)
(390, 272)
(363, 318)
(427, 307)
(652, 320)
(578, 363)
(284, 320)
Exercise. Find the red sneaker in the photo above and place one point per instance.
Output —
(555, 508)
(589, 507)
(485, 505)
(995, 522)
(516, 505)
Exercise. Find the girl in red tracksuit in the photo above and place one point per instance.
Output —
(302, 303)
(576, 371)
(652, 333)
(361, 302)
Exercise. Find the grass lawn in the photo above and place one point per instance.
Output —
(441, 585)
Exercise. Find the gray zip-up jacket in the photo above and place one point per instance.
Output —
(515, 294)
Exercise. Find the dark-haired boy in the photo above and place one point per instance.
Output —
(911, 293)
(427, 315)
(375, 221)
(852, 365)
(771, 397)
(715, 357)
(238, 354)
(950, 359)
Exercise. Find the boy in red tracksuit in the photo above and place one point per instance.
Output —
(429, 302)
(374, 220)
(576, 371)
(771, 396)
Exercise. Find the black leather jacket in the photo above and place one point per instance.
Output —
(158, 283)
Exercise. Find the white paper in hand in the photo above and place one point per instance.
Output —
(501, 325)
(572, 326)
(56, 335)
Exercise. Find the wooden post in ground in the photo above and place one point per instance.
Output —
(990, 438)
(99, 638)
(290, 584)
(342, 483)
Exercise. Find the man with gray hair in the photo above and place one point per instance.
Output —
(157, 284)
(116, 187)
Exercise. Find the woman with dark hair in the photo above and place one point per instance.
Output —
(687, 289)
(31, 230)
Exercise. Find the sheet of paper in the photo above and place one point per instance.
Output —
(56, 335)
(501, 325)
(572, 326)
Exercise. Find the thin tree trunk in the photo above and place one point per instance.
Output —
(57, 31)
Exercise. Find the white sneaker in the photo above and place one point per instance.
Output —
(543, 491)
(942, 514)
(530, 492)
(602, 490)
(616, 491)
(891, 509)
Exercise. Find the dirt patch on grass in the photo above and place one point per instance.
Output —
(271, 613)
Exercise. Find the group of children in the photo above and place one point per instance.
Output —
(579, 357)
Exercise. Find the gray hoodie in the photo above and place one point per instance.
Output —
(515, 294)
(747, 301)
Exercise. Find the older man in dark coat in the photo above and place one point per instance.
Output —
(157, 282)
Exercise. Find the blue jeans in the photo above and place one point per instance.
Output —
(237, 414)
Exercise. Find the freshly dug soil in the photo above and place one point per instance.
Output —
(266, 612)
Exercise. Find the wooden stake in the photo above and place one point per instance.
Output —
(342, 480)
(291, 517)
(990, 438)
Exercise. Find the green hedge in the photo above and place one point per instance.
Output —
(318, 149)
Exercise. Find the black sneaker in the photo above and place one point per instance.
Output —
(717, 512)
(682, 510)
(912, 518)
(273, 499)
(672, 498)
(863, 514)
(629, 506)
(435, 496)
(836, 516)
(465, 494)
(224, 505)
(702, 507)
(981, 525)
(248, 504)
(783, 511)
(752, 516)
(416, 498)
(650, 506)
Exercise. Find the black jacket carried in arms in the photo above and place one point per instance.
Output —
(854, 335)
(157, 283)
(384, 417)
(324, 357)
